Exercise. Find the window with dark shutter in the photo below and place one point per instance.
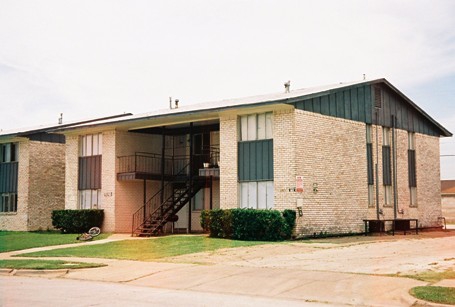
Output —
(386, 166)
(90, 173)
(370, 163)
(412, 168)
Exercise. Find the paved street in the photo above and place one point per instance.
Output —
(332, 272)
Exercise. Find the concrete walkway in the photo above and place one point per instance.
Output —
(284, 280)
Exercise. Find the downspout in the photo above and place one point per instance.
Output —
(376, 166)
(163, 161)
(145, 201)
(191, 177)
(394, 157)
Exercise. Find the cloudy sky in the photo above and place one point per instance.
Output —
(95, 58)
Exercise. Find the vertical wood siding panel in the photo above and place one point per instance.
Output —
(368, 105)
(333, 105)
(361, 103)
(325, 108)
(340, 104)
(316, 105)
(347, 104)
(354, 105)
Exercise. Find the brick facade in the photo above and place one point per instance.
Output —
(228, 162)
(41, 177)
(330, 154)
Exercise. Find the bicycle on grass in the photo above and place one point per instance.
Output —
(89, 235)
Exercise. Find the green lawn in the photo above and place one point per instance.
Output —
(146, 250)
(441, 295)
(17, 240)
(45, 264)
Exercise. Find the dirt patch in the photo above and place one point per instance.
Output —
(369, 255)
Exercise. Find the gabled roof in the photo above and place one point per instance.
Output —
(237, 103)
(448, 187)
(25, 132)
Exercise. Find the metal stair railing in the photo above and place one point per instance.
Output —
(142, 216)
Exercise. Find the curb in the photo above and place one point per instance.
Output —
(5, 271)
(47, 273)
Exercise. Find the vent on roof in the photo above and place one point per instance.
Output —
(377, 98)
(287, 86)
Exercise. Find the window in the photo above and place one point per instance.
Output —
(256, 126)
(89, 181)
(199, 200)
(412, 177)
(256, 194)
(91, 145)
(255, 161)
(8, 153)
(370, 172)
(8, 202)
(386, 166)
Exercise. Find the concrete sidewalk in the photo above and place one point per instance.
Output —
(287, 282)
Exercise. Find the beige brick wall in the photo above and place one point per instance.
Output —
(330, 154)
(428, 207)
(46, 183)
(40, 186)
(228, 162)
(428, 180)
(71, 171)
(108, 181)
(19, 220)
(284, 159)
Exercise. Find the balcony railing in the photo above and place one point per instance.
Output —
(149, 163)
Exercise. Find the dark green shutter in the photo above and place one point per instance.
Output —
(255, 160)
(412, 168)
(386, 166)
(370, 163)
(8, 177)
(89, 173)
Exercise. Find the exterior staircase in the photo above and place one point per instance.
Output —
(150, 219)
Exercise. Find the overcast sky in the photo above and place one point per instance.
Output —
(94, 58)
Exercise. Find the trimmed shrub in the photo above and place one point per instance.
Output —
(249, 224)
(205, 220)
(76, 221)
(289, 218)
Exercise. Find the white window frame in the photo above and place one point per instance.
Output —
(257, 194)
(258, 126)
(8, 202)
(90, 145)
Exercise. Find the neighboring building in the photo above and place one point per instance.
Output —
(338, 154)
(32, 177)
(448, 200)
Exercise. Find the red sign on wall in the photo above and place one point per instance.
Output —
(299, 184)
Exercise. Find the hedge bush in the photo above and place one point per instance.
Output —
(249, 224)
(76, 221)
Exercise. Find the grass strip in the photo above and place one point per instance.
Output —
(45, 264)
(440, 295)
(148, 249)
(18, 240)
(431, 276)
